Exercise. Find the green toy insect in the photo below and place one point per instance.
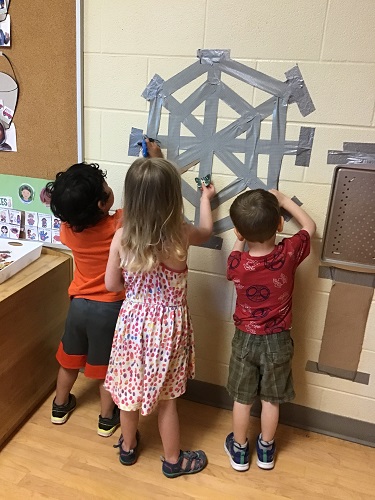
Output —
(206, 180)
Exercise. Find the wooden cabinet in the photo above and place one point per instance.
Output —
(33, 308)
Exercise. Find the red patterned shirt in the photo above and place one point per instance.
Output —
(264, 285)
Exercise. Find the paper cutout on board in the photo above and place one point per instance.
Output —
(5, 34)
(6, 202)
(4, 7)
(26, 193)
(8, 93)
(29, 225)
(10, 223)
(8, 139)
(38, 223)
(42, 227)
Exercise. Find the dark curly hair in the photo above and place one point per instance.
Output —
(76, 193)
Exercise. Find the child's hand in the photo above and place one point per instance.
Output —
(208, 191)
(281, 198)
(153, 149)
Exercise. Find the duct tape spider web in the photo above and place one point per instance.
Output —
(240, 136)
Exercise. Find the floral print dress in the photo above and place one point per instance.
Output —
(153, 346)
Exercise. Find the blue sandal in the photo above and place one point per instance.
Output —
(198, 458)
(128, 457)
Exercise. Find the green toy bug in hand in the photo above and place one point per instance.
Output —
(206, 180)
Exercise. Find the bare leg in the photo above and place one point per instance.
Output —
(169, 428)
(241, 416)
(129, 424)
(65, 381)
(106, 403)
(269, 420)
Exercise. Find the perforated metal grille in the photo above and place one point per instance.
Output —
(349, 235)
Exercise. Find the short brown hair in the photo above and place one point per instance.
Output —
(256, 215)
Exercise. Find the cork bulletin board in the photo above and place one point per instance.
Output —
(45, 54)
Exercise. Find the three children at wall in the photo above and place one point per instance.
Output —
(129, 325)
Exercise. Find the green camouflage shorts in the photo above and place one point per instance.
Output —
(261, 365)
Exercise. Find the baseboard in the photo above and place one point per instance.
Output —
(349, 429)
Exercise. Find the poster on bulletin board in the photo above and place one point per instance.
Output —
(25, 211)
(44, 131)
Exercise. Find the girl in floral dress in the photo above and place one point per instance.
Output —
(153, 347)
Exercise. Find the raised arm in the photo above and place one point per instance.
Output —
(153, 149)
(201, 233)
(303, 219)
(114, 281)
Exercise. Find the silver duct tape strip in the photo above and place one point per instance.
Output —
(238, 127)
(215, 242)
(234, 188)
(346, 157)
(265, 109)
(153, 94)
(136, 135)
(214, 75)
(234, 101)
(173, 146)
(254, 78)
(193, 124)
(237, 145)
(263, 146)
(358, 377)
(233, 163)
(211, 56)
(209, 133)
(298, 91)
(251, 157)
(223, 225)
(154, 88)
(297, 201)
(360, 147)
(184, 77)
(190, 194)
(277, 140)
(345, 276)
(188, 158)
(201, 94)
(306, 139)
(154, 116)
(286, 215)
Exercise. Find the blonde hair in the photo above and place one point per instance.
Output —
(153, 215)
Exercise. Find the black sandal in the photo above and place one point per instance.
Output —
(198, 458)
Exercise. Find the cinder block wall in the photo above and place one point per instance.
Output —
(333, 41)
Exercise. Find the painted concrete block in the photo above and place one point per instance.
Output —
(115, 81)
(349, 33)
(266, 30)
(210, 295)
(177, 29)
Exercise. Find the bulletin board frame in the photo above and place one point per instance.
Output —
(47, 58)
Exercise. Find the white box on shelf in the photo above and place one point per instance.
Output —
(20, 253)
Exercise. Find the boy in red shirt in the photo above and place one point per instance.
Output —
(262, 348)
(81, 198)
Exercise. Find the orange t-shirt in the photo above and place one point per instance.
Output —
(90, 250)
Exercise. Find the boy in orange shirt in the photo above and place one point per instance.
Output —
(81, 198)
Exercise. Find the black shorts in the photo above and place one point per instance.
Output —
(88, 335)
